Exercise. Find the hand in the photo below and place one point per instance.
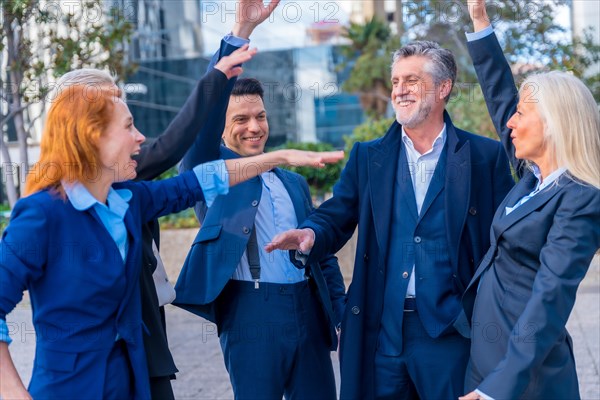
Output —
(315, 159)
(230, 65)
(470, 396)
(478, 14)
(294, 239)
(250, 14)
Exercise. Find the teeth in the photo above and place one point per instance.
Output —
(253, 139)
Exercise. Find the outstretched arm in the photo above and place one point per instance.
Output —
(160, 154)
(496, 80)
(208, 180)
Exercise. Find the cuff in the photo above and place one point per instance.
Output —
(235, 41)
(473, 36)
(479, 392)
(4, 337)
(213, 179)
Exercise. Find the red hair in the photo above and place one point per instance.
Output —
(76, 120)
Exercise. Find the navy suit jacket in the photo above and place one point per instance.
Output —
(82, 294)
(524, 288)
(477, 179)
(226, 226)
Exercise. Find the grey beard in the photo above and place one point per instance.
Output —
(414, 121)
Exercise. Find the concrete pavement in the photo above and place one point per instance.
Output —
(202, 376)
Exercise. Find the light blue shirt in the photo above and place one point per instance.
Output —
(541, 185)
(212, 177)
(421, 168)
(275, 214)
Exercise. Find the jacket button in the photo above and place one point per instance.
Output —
(473, 211)
(254, 203)
(246, 230)
(417, 239)
(355, 310)
(366, 258)
(405, 275)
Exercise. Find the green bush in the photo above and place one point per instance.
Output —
(320, 180)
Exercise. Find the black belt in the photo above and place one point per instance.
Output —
(410, 304)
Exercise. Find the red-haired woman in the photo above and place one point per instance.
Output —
(74, 243)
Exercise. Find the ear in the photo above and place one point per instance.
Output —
(445, 89)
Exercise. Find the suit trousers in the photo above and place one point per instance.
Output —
(275, 341)
(428, 368)
(118, 383)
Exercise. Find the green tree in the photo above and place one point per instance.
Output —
(368, 55)
(41, 40)
(532, 39)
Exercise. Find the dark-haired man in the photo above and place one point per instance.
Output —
(276, 323)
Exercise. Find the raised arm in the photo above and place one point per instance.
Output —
(249, 14)
(160, 154)
(496, 79)
(208, 180)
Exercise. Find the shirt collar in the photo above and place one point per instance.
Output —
(82, 199)
(439, 141)
(549, 179)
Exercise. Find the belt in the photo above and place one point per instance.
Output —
(410, 304)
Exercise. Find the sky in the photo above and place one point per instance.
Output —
(287, 26)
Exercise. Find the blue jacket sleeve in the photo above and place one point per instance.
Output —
(335, 221)
(331, 272)
(23, 252)
(160, 154)
(208, 140)
(499, 90)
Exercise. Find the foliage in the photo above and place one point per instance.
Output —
(369, 130)
(528, 31)
(40, 41)
(320, 180)
(369, 57)
(182, 220)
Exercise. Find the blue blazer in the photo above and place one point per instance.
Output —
(222, 239)
(524, 289)
(82, 294)
(477, 179)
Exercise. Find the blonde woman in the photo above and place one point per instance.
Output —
(544, 234)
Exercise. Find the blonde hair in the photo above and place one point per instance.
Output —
(85, 77)
(571, 123)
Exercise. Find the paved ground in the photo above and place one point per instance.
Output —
(197, 353)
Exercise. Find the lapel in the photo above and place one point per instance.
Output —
(405, 183)
(436, 185)
(292, 186)
(382, 167)
(457, 182)
(524, 187)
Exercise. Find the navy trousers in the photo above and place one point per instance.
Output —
(428, 368)
(274, 342)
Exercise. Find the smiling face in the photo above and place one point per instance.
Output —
(119, 143)
(415, 97)
(528, 130)
(246, 127)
